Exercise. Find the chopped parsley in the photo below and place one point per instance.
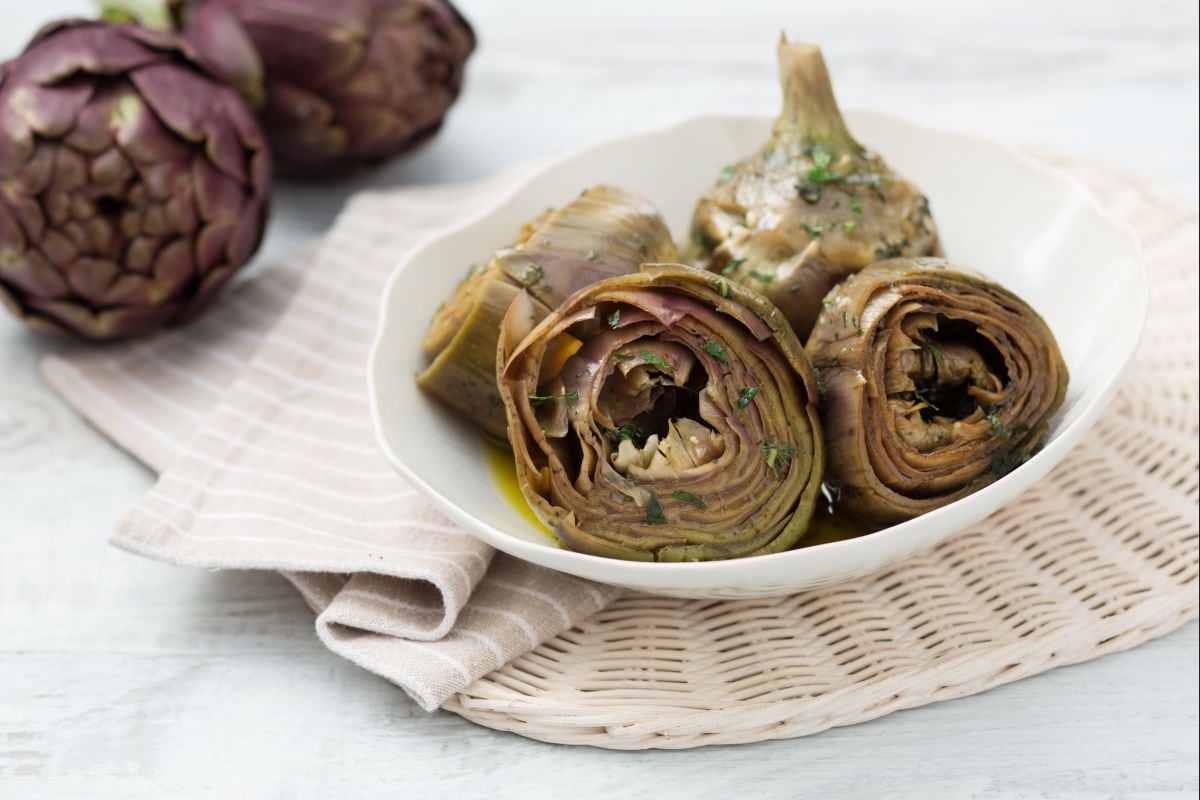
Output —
(849, 225)
(614, 319)
(779, 457)
(746, 396)
(997, 426)
(533, 274)
(936, 351)
(654, 511)
(760, 276)
(571, 397)
(922, 399)
(819, 173)
(691, 499)
(814, 231)
(624, 432)
(716, 351)
(650, 358)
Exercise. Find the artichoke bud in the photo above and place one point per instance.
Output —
(132, 183)
(603, 232)
(337, 85)
(811, 206)
(937, 383)
(663, 415)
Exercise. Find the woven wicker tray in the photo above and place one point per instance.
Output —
(1098, 558)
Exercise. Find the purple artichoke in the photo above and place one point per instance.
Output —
(132, 184)
(340, 84)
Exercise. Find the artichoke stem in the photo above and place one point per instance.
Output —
(810, 112)
(158, 15)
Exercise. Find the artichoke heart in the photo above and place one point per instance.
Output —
(937, 382)
(681, 425)
(811, 207)
(603, 232)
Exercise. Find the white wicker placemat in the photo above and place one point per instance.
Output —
(1098, 558)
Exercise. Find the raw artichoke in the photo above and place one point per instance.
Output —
(937, 383)
(665, 415)
(603, 232)
(341, 84)
(132, 184)
(812, 206)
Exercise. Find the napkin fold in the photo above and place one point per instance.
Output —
(256, 417)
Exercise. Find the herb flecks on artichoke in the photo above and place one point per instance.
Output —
(133, 184)
(664, 415)
(812, 206)
(603, 232)
(937, 382)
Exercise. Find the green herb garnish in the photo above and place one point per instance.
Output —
(760, 276)
(533, 274)
(812, 230)
(997, 426)
(650, 358)
(571, 397)
(614, 319)
(731, 265)
(716, 351)
(922, 399)
(692, 499)
(654, 511)
(746, 396)
(624, 432)
(779, 457)
(819, 173)
(936, 351)
(849, 225)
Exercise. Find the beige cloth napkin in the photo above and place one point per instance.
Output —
(256, 417)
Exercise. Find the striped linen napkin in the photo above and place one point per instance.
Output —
(256, 418)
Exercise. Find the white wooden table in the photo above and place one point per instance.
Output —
(121, 677)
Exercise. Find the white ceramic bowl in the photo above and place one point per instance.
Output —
(1033, 229)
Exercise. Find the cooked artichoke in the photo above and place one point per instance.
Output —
(133, 184)
(936, 383)
(812, 206)
(603, 232)
(665, 415)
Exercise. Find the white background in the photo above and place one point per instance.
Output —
(124, 677)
